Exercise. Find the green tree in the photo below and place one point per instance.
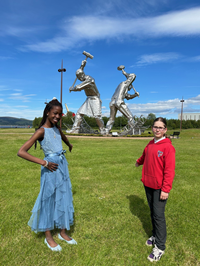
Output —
(67, 120)
(198, 123)
(105, 119)
(151, 116)
(37, 121)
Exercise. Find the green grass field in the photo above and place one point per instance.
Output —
(112, 220)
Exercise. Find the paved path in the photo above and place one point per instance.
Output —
(87, 137)
(105, 137)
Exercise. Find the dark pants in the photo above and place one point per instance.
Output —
(157, 208)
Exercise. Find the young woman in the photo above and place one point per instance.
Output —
(54, 206)
(158, 160)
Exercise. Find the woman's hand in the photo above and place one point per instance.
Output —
(66, 141)
(52, 166)
(70, 147)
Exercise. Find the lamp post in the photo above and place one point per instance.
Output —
(182, 101)
(61, 70)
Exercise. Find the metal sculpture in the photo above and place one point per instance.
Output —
(137, 129)
(117, 100)
(84, 127)
(92, 105)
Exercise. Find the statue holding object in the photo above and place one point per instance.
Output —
(92, 105)
(117, 100)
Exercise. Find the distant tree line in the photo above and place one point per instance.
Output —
(173, 123)
(121, 121)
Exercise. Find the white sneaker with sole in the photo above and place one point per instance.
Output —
(156, 254)
(150, 241)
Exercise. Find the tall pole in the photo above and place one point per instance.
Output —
(182, 101)
(61, 70)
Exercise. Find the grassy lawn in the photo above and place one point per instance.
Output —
(112, 220)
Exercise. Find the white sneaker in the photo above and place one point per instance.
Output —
(150, 241)
(156, 254)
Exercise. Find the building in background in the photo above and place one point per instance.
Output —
(189, 116)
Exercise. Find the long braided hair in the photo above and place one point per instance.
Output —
(47, 109)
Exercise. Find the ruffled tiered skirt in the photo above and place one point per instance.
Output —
(54, 205)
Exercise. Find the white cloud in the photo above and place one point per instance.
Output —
(160, 106)
(17, 90)
(193, 101)
(56, 44)
(156, 58)
(149, 59)
(165, 107)
(179, 23)
(107, 113)
(168, 108)
(3, 88)
(20, 106)
(80, 29)
(18, 31)
(194, 59)
(5, 57)
(1, 100)
(20, 97)
(23, 112)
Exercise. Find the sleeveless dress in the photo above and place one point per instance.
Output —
(54, 205)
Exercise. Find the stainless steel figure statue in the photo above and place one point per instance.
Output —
(92, 105)
(117, 100)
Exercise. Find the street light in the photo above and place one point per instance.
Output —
(182, 101)
(61, 70)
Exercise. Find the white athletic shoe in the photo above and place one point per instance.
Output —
(150, 241)
(156, 254)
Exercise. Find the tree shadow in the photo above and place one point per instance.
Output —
(141, 210)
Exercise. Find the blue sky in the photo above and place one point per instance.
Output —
(158, 40)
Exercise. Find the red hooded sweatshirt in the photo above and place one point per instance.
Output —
(158, 161)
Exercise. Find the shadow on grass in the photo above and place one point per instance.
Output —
(141, 210)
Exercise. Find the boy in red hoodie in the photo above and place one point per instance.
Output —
(158, 160)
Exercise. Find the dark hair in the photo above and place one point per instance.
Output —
(47, 109)
(161, 119)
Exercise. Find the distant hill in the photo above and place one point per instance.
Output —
(7, 121)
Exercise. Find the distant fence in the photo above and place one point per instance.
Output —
(14, 126)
